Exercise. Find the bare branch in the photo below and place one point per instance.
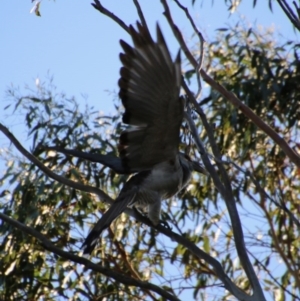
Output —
(102, 195)
(229, 201)
(220, 273)
(201, 42)
(48, 245)
(294, 157)
(274, 278)
(297, 9)
(277, 246)
(140, 13)
(227, 195)
(230, 286)
(98, 6)
(289, 12)
(263, 192)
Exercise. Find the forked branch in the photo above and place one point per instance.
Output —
(233, 99)
(229, 285)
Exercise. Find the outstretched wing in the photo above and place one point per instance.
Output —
(149, 90)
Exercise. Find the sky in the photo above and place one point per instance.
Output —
(79, 47)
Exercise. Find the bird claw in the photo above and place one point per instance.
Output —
(139, 212)
(161, 223)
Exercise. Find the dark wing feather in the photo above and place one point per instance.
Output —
(107, 218)
(127, 197)
(149, 90)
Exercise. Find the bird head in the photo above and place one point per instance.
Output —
(191, 165)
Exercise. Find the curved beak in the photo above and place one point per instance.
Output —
(199, 168)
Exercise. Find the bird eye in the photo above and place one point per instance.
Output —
(187, 157)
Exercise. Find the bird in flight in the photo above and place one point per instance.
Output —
(149, 89)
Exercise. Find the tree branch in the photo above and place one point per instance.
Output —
(201, 41)
(263, 193)
(102, 195)
(230, 286)
(275, 279)
(217, 267)
(294, 157)
(98, 6)
(279, 248)
(289, 13)
(227, 195)
(140, 13)
(48, 245)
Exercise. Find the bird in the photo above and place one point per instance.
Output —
(149, 84)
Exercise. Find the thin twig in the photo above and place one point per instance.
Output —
(230, 286)
(289, 13)
(48, 245)
(297, 9)
(98, 6)
(247, 173)
(217, 267)
(76, 185)
(230, 203)
(210, 134)
(266, 195)
(227, 195)
(283, 287)
(294, 157)
(201, 42)
(140, 13)
(276, 244)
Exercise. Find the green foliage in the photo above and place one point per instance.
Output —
(266, 77)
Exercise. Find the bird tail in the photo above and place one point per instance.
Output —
(113, 212)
